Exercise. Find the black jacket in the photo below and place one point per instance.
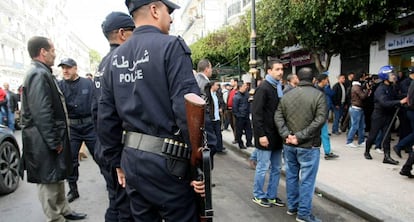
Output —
(265, 102)
(336, 98)
(44, 127)
(12, 102)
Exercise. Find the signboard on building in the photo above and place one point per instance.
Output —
(398, 41)
(301, 58)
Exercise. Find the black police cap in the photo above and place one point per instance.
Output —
(117, 20)
(132, 5)
(68, 62)
(410, 69)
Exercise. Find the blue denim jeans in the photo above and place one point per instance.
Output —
(301, 169)
(266, 159)
(338, 112)
(326, 142)
(253, 156)
(357, 124)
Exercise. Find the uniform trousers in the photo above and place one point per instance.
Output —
(119, 208)
(379, 123)
(53, 200)
(156, 193)
(80, 133)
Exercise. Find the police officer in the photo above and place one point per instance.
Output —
(143, 96)
(385, 101)
(117, 28)
(78, 96)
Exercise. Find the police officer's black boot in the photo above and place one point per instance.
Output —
(389, 160)
(73, 192)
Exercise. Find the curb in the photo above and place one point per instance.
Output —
(324, 191)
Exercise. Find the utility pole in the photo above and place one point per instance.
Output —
(253, 62)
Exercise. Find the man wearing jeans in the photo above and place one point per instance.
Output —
(356, 112)
(299, 118)
(267, 140)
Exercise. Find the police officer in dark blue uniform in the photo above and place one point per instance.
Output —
(142, 104)
(78, 96)
(117, 28)
(385, 102)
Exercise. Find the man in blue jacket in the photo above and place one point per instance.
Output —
(241, 110)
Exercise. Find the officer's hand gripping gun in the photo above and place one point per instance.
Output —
(200, 153)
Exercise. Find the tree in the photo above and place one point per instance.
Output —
(94, 59)
(336, 26)
(223, 45)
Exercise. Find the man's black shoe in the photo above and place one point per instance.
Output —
(242, 147)
(406, 173)
(367, 156)
(72, 195)
(222, 152)
(390, 160)
(397, 151)
(75, 216)
(250, 145)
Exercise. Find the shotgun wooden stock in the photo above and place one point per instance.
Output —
(200, 153)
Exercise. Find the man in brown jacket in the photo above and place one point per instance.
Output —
(356, 112)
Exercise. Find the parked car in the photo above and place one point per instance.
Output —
(9, 161)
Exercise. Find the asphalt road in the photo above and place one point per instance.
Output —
(231, 197)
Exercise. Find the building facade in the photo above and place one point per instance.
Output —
(22, 19)
(396, 49)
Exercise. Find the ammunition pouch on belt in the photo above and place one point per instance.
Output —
(177, 153)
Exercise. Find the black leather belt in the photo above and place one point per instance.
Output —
(80, 121)
(143, 142)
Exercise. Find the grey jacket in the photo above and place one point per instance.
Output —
(302, 112)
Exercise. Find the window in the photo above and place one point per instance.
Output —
(234, 9)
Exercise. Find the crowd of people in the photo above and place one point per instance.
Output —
(9, 105)
(135, 102)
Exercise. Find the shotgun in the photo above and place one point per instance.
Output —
(200, 153)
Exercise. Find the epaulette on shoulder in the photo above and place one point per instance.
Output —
(184, 45)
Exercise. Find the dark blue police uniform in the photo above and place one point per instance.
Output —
(386, 101)
(119, 207)
(78, 97)
(143, 94)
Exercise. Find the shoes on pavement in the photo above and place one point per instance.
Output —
(222, 152)
(252, 164)
(242, 147)
(234, 141)
(249, 145)
(336, 133)
(351, 145)
(75, 216)
(361, 144)
(331, 156)
(390, 160)
(379, 150)
(367, 156)
(292, 212)
(276, 202)
(261, 202)
(72, 195)
(406, 173)
(397, 151)
(309, 218)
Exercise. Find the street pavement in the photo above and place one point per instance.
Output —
(369, 188)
